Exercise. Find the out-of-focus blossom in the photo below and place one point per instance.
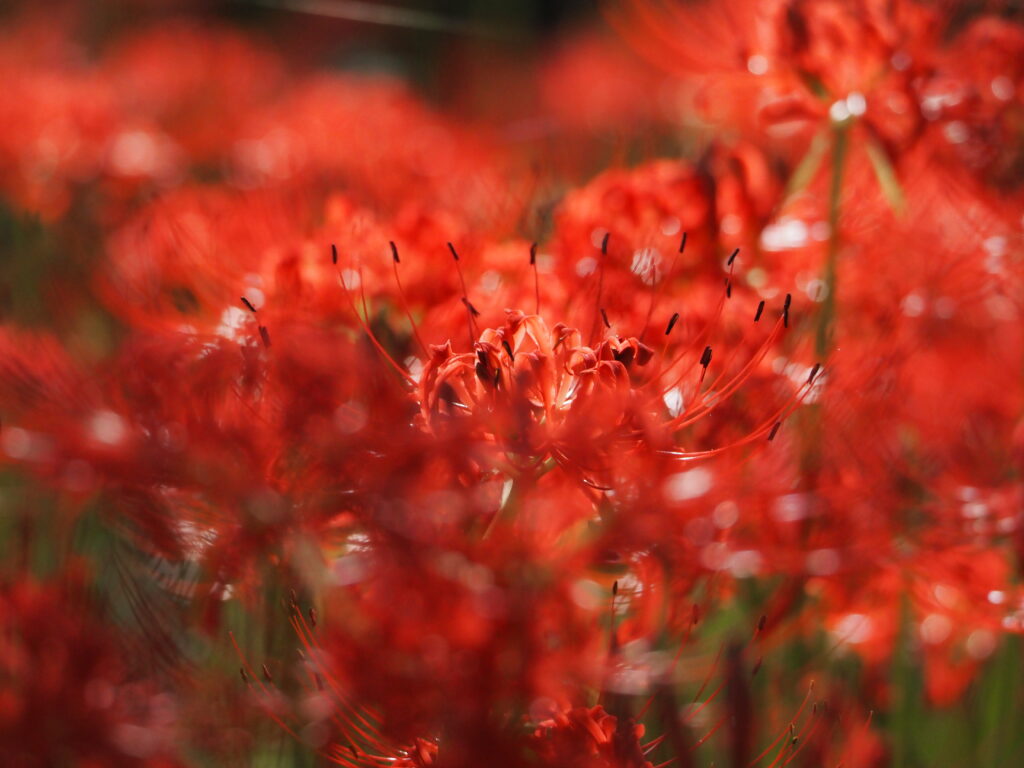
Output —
(958, 601)
(67, 694)
(373, 138)
(631, 93)
(196, 102)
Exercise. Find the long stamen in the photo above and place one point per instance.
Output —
(470, 309)
(536, 279)
(362, 320)
(395, 261)
(600, 286)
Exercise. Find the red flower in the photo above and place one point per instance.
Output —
(66, 691)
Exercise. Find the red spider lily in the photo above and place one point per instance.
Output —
(794, 69)
(645, 214)
(793, 56)
(524, 367)
(542, 395)
(530, 399)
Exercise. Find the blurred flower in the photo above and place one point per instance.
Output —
(66, 693)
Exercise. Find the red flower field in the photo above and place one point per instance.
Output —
(465, 384)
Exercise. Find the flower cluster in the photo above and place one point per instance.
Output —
(333, 428)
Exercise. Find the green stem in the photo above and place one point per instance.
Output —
(906, 690)
(811, 418)
(826, 319)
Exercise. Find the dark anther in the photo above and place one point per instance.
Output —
(604, 243)
(334, 254)
(615, 588)
(265, 335)
(760, 309)
(733, 257)
(266, 674)
(472, 310)
(785, 310)
(775, 429)
(446, 392)
(761, 622)
(728, 288)
(482, 373)
(455, 254)
(682, 243)
(814, 372)
(533, 254)
(245, 677)
(705, 359)
(604, 316)
(394, 252)
(672, 323)
(248, 304)
(508, 348)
